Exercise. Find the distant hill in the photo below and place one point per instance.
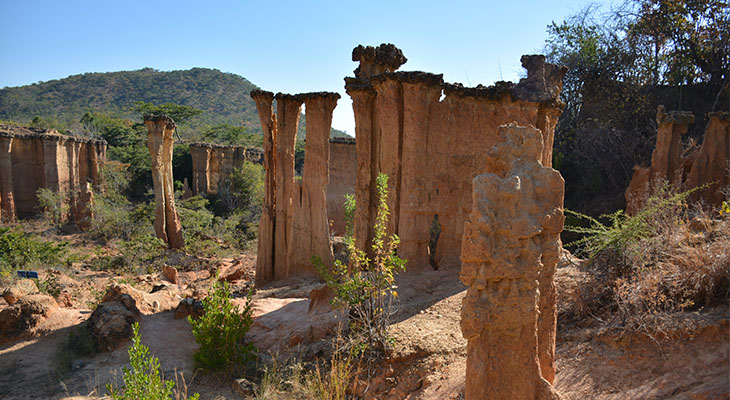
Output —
(223, 97)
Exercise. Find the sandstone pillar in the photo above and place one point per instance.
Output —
(363, 99)
(666, 159)
(511, 238)
(711, 163)
(7, 202)
(200, 155)
(288, 108)
(310, 228)
(265, 255)
(159, 142)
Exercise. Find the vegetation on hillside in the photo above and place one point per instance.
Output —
(223, 98)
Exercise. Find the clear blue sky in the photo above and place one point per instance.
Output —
(281, 46)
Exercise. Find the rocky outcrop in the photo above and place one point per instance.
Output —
(684, 170)
(32, 158)
(18, 289)
(342, 177)
(666, 160)
(213, 164)
(432, 138)
(111, 323)
(25, 315)
(294, 225)
(159, 142)
(711, 163)
(510, 251)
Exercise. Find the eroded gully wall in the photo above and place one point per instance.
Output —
(32, 158)
(707, 164)
(213, 164)
(294, 225)
(511, 238)
(432, 148)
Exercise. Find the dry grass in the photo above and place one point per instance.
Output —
(682, 265)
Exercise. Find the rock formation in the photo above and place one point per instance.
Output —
(32, 158)
(711, 163)
(510, 249)
(342, 176)
(431, 138)
(213, 164)
(293, 225)
(159, 142)
(707, 165)
(666, 160)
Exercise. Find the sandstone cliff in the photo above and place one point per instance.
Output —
(342, 177)
(432, 147)
(32, 158)
(213, 164)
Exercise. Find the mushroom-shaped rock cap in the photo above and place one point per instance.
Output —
(159, 117)
(376, 60)
(674, 117)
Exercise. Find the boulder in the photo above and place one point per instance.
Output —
(111, 323)
(164, 298)
(189, 306)
(169, 273)
(19, 289)
(22, 317)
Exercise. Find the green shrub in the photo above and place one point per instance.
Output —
(366, 288)
(349, 206)
(53, 205)
(221, 330)
(143, 249)
(143, 381)
(19, 250)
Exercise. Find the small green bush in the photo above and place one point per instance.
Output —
(366, 288)
(53, 205)
(19, 250)
(143, 381)
(221, 330)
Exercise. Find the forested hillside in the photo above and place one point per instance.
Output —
(223, 98)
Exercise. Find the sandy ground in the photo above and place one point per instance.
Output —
(429, 357)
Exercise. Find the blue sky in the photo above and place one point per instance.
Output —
(280, 46)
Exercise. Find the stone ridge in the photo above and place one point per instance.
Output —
(315, 95)
(721, 115)
(40, 133)
(261, 93)
(215, 145)
(411, 77)
(674, 117)
(542, 84)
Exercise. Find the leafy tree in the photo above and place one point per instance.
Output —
(231, 135)
(179, 113)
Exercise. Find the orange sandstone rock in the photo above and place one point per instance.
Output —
(510, 249)
(712, 162)
(159, 142)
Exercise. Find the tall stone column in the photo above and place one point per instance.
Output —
(288, 108)
(310, 229)
(159, 142)
(511, 238)
(710, 163)
(265, 254)
(7, 201)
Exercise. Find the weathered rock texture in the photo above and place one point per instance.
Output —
(32, 158)
(510, 251)
(213, 164)
(343, 174)
(159, 142)
(293, 225)
(708, 164)
(432, 147)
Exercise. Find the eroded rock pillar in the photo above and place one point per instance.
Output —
(159, 142)
(666, 159)
(710, 164)
(265, 255)
(511, 238)
(7, 202)
(310, 229)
